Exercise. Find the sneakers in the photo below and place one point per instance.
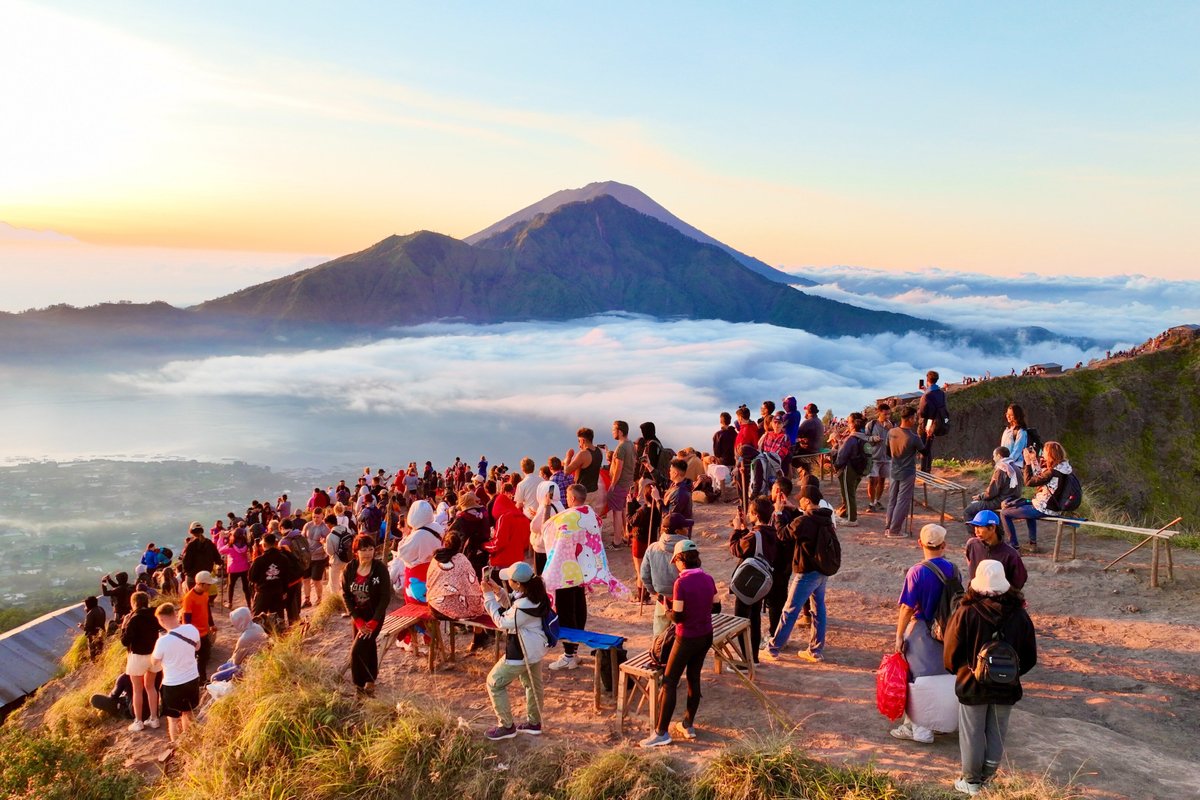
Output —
(530, 728)
(770, 656)
(895, 535)
(136, 726)
(849, 523)
(655, 740)
(682, 732)
(809, 655)
(565, 662)
(905, 731)
(969, 789)
(1030, 549)
(152, 723)
(497, 733)
(306, 604)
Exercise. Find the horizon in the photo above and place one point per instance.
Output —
(251, 142)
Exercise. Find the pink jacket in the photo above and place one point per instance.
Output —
(237, 559)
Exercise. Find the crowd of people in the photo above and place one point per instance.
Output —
(523, 549)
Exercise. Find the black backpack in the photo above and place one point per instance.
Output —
(1034, 439)
(997, 663)
(660, 648)
(345, 545)
(753, 577)
(297, 549)
(827, 550)
(860, 461)
(948, 602)
(1069, 494)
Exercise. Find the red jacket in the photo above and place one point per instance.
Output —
(511, 536)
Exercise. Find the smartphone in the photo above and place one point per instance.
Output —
(921, 384)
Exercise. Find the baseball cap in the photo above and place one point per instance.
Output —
(196, 526)
(684, 546)
(519, 572)
(933, 535)
(984, 518)
(206, 578)
(674, 521)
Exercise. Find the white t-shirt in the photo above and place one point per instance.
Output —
(526, 494)
(177, 656)
(719, 474)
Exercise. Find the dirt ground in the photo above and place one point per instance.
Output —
(1113, 704)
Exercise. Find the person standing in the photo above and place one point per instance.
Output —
(139, 634)
(270, 575)
(195, 610)
(810, 437)
(524, 648)
(118, 592)
(987, 544)
(784, 512)
(991, 610)
(570, 602)
(1016, 434)
(918, 604)
(175, 654)
(657, 572)
(934, 415)
(881, 459)
(236, 550)
(526, 494)
(851, 463)
(903, 447)
(199, 554)
(585, 466)
(723, 442)
(808, 533)
(756, 539)
(621, 472)
(691, 611)
(366, 591)
(315, 533)
(93, 626)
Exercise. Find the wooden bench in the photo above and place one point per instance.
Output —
(1160, 539)
(403, 620)
(947, 488)
(641, 678)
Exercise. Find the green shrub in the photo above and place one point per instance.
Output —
(47, 767)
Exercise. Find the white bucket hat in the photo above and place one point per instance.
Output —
(989, 578)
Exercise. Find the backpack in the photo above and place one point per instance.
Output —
(297, 548)
(1069, 494)
(665, 456)
(661, 647)
(860, 461)
(1034, 439)
(952, 594)
(345, 545)
(827, 550)
(753, 577)
(997, 663)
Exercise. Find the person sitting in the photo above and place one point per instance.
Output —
(120, 701)
(416, 550)
(451, 584)
(251, 639)
(1051, 483)
(1005, 485)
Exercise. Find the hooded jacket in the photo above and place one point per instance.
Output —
(1051, 485)
(658, 573)
(237, 557)
(426, 536)
(977, 618)
(525, 617)
(251, 636)
(803, 532)
(140, 632)
(548, 506)
(510, 540)
(791, 419)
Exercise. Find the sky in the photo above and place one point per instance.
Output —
(218, 142)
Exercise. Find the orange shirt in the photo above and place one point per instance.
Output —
(196, 604)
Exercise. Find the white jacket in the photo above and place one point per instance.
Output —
(528, 627)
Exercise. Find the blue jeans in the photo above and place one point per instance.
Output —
(799, 589)
(1026, 512)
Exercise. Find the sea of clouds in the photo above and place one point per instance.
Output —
(1119, 309)
(556, 376)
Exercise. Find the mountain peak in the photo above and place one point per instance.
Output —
(639, 201)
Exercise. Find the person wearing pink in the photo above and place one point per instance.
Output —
(236, 551)
(510, 538)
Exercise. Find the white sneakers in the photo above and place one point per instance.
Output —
(906, 731)
(136, 726)
(152, 723)
(969, 789)
(565, 662)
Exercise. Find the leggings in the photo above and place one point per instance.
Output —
(234, 577)
(571, 606)
(687, 654)
(364, 660)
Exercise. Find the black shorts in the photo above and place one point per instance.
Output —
(316, 570)
(182, 698)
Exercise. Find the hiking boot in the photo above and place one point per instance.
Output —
(565, 662)
(136, 726)
(497, 733)
(531, 728)
(969, 789)
(684, 732)
(152, 723)
(655, 740)
(810, 656)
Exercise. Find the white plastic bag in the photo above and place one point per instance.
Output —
(932, 703)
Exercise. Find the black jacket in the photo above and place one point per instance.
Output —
(140, 632)
(199, 554)
(803, 533)
(972, 625)
(741, 543)
(379, 593)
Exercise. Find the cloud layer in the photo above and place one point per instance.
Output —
(679, 374)
(1124, 309)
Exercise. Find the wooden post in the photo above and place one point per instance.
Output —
(1154, 564)
(1170, 562)
(1057, 539)
(1074, 540)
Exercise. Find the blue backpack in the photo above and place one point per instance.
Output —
(550, 627)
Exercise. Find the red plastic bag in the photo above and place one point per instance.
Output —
(891, 685)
